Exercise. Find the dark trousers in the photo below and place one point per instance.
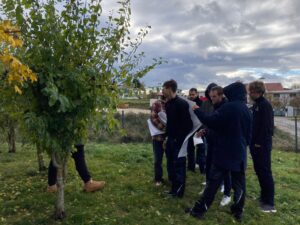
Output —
(80, 164)
(158, 152)
(201, 157)
(176, 167)
(191, 155)
(208, 163)
(227, 184)
(262, 165)
(216, 177)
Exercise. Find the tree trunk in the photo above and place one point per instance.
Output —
(60, 164)
(11, 137)
(40, 158)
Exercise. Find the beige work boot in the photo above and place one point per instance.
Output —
(92, 186)
(52, 189)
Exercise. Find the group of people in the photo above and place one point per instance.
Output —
(229, 126)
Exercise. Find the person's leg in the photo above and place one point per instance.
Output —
(81, 167)
(239, 187)
(201, 157)
(202, 205)
(180, 176)
(52, 172)
(80, 163)
(158, 156)
(191, 155)
(227, 184)
(169, 157)
(208, 161)
(262, 166)
(227, 188)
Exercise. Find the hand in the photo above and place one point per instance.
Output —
(195, 107)
(200, 133)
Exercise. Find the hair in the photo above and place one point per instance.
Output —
(257, 87)
(218, 89)
(171, 84)
(193, 90)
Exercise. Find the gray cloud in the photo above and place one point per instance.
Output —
(208, 40)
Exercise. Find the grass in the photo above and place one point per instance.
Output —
(136, 103)
(130, 197)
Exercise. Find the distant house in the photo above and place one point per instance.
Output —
(276, 92)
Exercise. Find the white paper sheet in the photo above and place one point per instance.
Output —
(196, 125)
(162, 117)
(197, 140)
(153, 130)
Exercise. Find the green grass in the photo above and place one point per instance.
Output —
(137, 103)
(130, 197)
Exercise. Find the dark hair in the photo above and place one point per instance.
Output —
(171, 84)
(193, 90)
(257, 87)
(218, 89)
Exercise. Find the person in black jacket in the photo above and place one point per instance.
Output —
(261, 144)
(232, 124)
(193, 96)
(217, 98)
(179, 124)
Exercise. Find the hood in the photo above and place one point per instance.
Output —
(209, 87)
(236, 92)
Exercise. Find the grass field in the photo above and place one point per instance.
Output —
(130, 197)
(136, 103)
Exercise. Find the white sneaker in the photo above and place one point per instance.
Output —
(222, 188)
(225, 201)
(158, 184)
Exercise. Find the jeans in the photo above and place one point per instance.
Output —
(216, 177)
(176, 167)
(158, 152)
(262, 165)
(80, 164)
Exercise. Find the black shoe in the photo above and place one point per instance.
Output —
(197, 215)
(238, 216)
(171, 194)
(267, 208)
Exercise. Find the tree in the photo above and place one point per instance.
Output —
(80, 62)
(295, 102)
(13, 73)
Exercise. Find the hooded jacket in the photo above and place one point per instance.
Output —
(232, 126)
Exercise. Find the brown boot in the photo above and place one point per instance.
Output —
(92, 186)
(52, 189)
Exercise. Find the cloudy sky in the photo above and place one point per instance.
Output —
(219, 41)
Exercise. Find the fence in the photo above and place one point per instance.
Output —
(288, 132)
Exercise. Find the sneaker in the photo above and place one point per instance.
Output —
(204, 183)
(92, 186)
(158, 183)
(267, 208)
(52, 189)
(225, 201)
(222, 189)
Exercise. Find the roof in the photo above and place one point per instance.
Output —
(274, 87)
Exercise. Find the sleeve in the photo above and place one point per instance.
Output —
(186, 118)
(267, 128)
(215, 120)
(155, 109)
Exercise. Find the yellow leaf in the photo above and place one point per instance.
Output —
(18, 90)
